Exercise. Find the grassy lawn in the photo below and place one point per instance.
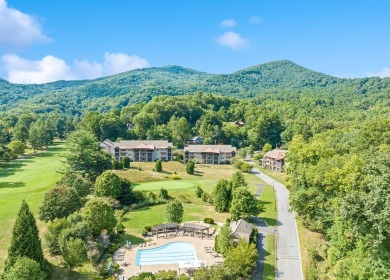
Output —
(206, 175)
(270, 258)
(136, 220)
(268, 204)
(310, 241)
(27, 179)
(168, 185)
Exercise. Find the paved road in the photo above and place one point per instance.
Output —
(288, 257)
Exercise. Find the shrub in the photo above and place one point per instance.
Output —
(148, 228)
(243, 166)
(190, 167)
(205, 197)
(126, 162)
(253, 238)
(145, 233)
(120, 228)
(151, 196)
(209, 220)
(199, 192)
(139, 168)
(116, 164)
(163, 193)
(179, 156)
(175, 177)
(158, 166)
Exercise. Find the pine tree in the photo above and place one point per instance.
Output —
(25, 240)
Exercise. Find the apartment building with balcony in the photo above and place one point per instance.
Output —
(139, 150)
(210, 154)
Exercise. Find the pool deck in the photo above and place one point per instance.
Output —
(129, 255)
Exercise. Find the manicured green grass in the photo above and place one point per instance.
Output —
(168, 185)
(270, 260)
(27, 179)
(136, 220)
(268, 204)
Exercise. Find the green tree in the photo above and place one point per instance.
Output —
(16, 147)
(36, 136)
(180, 130)
(85, 156)
(158, 166)
(244, 204)
(126, 162)
(221, 195)
(74, 253)
(53, 233)
(127, 196)
(108, 184)
(99, 215)
(75, 181)
(174, 212)
(190, 167)
(25, 240)
(25, 268)
(224, 240)
(238, 180)
(59, 202)
(91, 123)
(143, 122)
(215, 272)
(242, 259)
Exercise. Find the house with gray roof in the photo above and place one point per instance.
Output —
(210, 154)
(139, 150)
(241, 229)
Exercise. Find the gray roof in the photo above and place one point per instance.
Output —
(141, 144)
(241, 229)
(210, 149)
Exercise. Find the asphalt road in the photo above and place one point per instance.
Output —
(288, 257)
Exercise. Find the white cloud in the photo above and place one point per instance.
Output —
(385, 72)
(119, 62)
(25, 71)
(18, 29)
(228, 23)
(50, 68)
(255, 20)
(232, 40)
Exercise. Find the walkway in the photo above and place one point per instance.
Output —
(288, 256)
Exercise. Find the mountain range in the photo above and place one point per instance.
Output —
(140, 85)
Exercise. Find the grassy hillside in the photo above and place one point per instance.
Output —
(27, 179)
(75, 97)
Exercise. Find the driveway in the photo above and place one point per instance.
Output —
(288, 256)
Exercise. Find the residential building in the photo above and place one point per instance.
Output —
(195, 140)
(274, 160)
(139, 150)
(241, 229)
(210, 154)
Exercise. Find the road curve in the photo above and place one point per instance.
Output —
(288, 255)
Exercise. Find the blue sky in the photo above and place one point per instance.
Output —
(43, 41)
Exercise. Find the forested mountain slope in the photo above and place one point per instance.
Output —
(76, 97)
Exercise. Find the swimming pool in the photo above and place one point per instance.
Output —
(170, 253)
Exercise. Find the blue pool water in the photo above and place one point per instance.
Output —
(170, 253)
